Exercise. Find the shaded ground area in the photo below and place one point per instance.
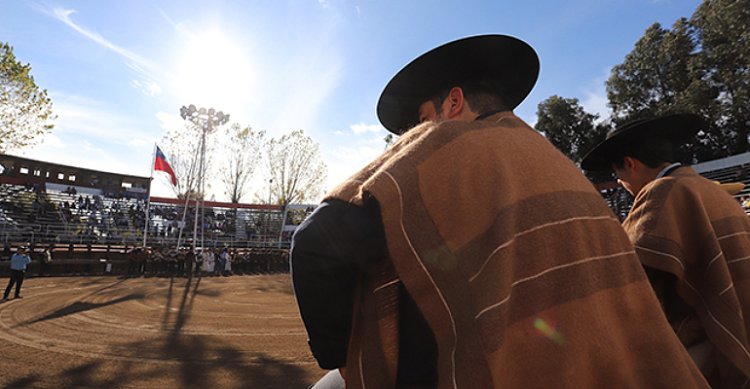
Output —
(96, 332)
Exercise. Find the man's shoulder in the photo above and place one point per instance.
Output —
(686, 180)
(686, 189)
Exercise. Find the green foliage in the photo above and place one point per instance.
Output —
(660, 75)
(700, 66)
(568, 126)
(723, 32)
(565, 123)
(25, 110)
(389, 140)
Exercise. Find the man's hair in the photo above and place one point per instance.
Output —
(651, 151)
(482, 97)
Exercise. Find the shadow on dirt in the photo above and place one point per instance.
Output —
(174, 359)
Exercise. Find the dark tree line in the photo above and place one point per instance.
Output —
(701, 65)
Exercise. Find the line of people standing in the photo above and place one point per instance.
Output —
(185, 262)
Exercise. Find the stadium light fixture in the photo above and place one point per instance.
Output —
(208, 120)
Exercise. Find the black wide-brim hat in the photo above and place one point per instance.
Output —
(677, 128)
(508, 63)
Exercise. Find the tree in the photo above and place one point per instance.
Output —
(25, 110)
(182, 149)
(571, 129)
(390, 139)
(664, 74)
(568, 126)
(659, 75)
(723, 30)
(296, 170)
(243, 154)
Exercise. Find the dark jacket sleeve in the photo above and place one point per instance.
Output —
(329, 251)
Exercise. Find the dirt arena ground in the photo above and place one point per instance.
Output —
(109, 332)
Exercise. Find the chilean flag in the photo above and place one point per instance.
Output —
(160, 163)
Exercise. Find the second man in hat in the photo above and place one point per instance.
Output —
(692, 237)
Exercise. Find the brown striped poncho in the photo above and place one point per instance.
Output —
(687, 226)
(523, 273)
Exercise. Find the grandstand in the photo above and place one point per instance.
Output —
(729, 169)
(44, 203)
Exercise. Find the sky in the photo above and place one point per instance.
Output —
(119, 71)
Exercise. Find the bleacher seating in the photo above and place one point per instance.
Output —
(49, 214)
(91, 218)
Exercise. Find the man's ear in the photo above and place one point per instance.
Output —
(633, 164)
(456, 102)
(630, 163)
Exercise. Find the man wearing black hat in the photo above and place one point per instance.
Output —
(18, 263)
(693, 239)
(472, 253)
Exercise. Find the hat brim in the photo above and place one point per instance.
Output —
(507, 62)
(677, 128)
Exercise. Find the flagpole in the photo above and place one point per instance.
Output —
(148, 196)
(187, 201)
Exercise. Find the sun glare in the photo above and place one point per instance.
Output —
(214, 71)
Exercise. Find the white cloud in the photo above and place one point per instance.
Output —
(169, 121)
(148, 88)
(595, 96)
(362, 128)
(52, 141)
(140, 142)
(346, 160)
(140, 65)
(82, 153)
(90, 134)
(596, 103)
(91, 118)
(63, 15)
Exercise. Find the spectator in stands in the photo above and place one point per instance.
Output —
(516, 274)
(130, 254)
(46, 260)
(6, 251)
(208, 261)
(160, 261)
(152, 264)
(692, 238)
(181, 258)
(240, 262)
(18, 263)
(137, 257)
(231, 255)
(171, 260)
(223, 258)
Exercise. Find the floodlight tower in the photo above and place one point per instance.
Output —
(208, 120)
